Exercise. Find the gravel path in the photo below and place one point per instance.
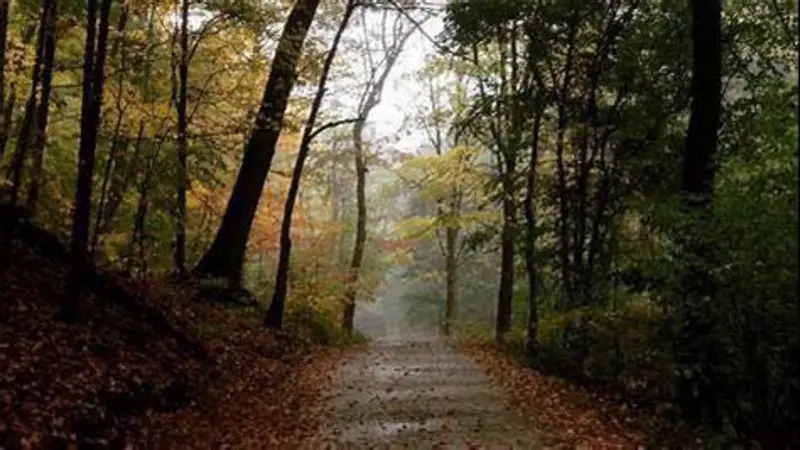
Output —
(417, 392)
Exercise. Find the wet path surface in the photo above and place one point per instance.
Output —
(418, 393)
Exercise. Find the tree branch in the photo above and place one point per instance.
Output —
(331, 125)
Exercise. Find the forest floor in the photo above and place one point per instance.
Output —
(149, 364)
(574, 417)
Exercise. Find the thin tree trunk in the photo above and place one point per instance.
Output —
(179, 254)
(532, 328)
(696, 392)
(8, 113)
(43, 110)
(92, 100)
(274, 317)
(451, 282)
(563, 200)
(226, 255)
(104, 186)
(505, 295)
(25, 129)
(117, 194)
(361, 228)
(5, 7)
(116, 140)
(370, 101)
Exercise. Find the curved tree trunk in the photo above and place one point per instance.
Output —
(225, 257)
(371, 99)
(274, 317)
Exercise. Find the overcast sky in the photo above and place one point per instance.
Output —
(402, 95)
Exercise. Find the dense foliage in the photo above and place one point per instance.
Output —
(578, 112)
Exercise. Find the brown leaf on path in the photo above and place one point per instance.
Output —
(568, 415)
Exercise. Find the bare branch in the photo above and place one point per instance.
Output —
(332, 125)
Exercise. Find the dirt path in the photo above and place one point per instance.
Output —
(418, 392)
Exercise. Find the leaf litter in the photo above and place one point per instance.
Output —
(149, 364)
(571, 417)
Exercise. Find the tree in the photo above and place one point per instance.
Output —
(93, 80)
(183, 124)
(42, 76)
(226, 255)
(531, 230)
(274, 317)
(445, 180)
(694, 349)
(43, 109)
(452, 183)
(369, 100)
(500, 111)
(5, 7)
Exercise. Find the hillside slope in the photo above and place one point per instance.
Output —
(149, 362)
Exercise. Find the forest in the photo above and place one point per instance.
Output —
(211, 205)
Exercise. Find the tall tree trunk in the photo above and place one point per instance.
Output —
(43, 110)
(371, 99)
(361, 228)
(5, 8)
(226, 255)
(26, 127)
(505, 296)
(567, 278)
(92, 100)
(451, 276)
(694, 349)
(117, 142)
(179, 255)
(274, 317)
(532, 328)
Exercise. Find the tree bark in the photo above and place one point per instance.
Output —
(117, 192)
(117, 143)
(532, 328)
(505, 296)
(694, 349)
(225, 257)
(274, 317)
(5, 9)
(567, 278)
(43, 110)
(92, 100)
(179, 254)
(25, 128)
(8, 113)
(371, 99)
(361, 228)
(451, 275)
